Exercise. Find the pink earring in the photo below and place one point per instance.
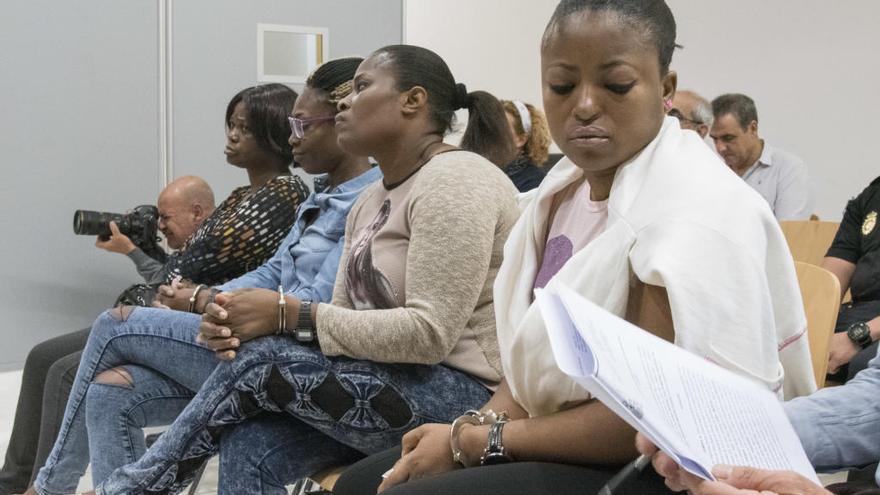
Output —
(667, 104)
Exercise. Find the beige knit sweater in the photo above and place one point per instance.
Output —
(416, 274)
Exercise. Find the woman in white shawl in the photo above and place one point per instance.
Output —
(642, 219)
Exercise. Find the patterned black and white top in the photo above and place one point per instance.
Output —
(241, 234)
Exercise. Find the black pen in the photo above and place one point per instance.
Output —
(631, 470)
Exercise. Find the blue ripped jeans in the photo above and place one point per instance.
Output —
(337, 409)
(150, 338)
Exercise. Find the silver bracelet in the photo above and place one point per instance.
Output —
(194, 297)
(282, 311)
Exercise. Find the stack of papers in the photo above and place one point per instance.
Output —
(700, 414)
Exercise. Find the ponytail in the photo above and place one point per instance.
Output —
(487, 133)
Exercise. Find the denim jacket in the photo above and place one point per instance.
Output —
(840, 426)
(307, 261)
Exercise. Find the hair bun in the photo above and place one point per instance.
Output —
(462, 98)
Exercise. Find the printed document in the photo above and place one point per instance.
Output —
(697, 412)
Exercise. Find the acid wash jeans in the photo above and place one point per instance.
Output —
(146, 340)
(287, 411)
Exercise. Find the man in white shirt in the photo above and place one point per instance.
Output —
(780, 177)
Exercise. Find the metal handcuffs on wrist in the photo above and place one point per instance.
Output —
(494, 452)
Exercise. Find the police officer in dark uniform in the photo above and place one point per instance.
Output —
(854, 257)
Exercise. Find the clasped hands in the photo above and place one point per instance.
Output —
(239, 316)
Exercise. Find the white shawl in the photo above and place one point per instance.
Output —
(677, 218)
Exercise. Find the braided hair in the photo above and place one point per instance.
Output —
(335, 78)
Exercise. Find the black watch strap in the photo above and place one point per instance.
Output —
(304, 331)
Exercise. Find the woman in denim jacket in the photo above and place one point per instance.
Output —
(127, 346)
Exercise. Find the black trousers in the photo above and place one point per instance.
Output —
(538, 478)
(45, 385)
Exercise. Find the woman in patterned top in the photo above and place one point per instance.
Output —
(246, 229)
(240, 235)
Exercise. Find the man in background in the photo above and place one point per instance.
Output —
(183, 205)
(51, 366)
(692, 111)
(780, 177)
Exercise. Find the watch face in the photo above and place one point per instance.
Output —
(304, 335)
(860, 334)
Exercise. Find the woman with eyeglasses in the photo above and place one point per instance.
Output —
(692, 111)
(409, 336)
(141, 366)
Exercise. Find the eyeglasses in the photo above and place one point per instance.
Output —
(298, 126)
(674, 112)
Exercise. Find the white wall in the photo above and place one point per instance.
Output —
(809, 64)
(491, 45)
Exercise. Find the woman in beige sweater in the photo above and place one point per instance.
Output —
(409, 337)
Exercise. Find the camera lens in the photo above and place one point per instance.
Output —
(87, 222)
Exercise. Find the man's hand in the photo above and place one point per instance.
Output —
(176, 296)
(841, 351)
(731, 480)
(238, 316)
(117, 243)
(425, 452)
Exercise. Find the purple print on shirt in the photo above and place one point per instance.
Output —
(556, 253)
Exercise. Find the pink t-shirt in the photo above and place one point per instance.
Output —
(578, 220)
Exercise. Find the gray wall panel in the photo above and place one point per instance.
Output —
(78, 131)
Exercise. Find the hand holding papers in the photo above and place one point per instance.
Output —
(698, 413)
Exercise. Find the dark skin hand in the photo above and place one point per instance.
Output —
(176, 296)
(239, 316)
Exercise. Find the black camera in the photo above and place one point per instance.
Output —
(140, 225)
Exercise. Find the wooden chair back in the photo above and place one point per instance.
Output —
(820, 291)
(809, 240)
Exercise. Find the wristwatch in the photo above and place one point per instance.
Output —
(304, 332)
(495, 452)
(860, 334)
